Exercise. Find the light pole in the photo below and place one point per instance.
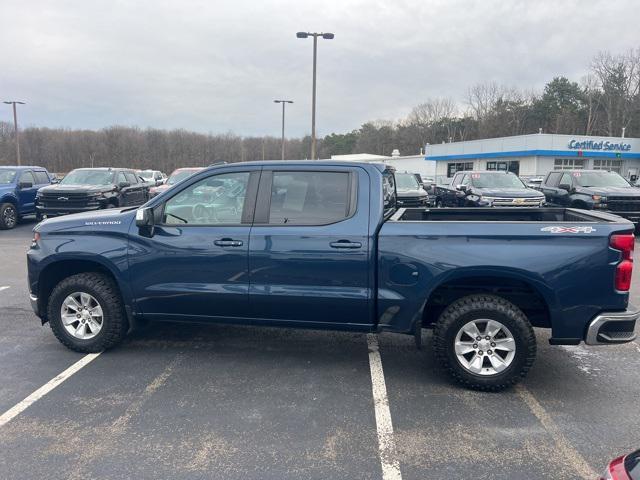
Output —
(283, 102)
(15, 127)
(326, 36)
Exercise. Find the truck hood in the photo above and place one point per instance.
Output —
(76, 188)
(109, 219)
(507, 192)
(606, 191)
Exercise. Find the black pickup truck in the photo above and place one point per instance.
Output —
(487, 189)
(592, 190)
(86, 189)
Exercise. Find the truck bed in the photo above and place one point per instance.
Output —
(509, 214)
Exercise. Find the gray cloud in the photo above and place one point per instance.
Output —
(216, 66)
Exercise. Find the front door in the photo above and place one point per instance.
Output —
(195, 264)
(27, 195)
(309, 255)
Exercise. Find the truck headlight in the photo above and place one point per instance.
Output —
(599, 198)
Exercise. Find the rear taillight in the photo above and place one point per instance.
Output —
(616, 470)
(624, 243)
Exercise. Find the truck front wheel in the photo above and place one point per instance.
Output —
(8, 216)
(485, 342)
(86, 313)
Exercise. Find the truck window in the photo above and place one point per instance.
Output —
(566, 179)
(309, 198)
(41, 177)
(553, 179)
(27, 176)
(215, 200)
(388, 192)
(131, 178)
(122, 178)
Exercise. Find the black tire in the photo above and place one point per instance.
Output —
(8, 216)
(482, 306)
(105, 291)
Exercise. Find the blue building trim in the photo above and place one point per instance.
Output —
(533, 153)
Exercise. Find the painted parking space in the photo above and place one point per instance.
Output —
(180, 401)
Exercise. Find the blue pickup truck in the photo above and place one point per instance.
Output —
(18, 188)
(323, 245)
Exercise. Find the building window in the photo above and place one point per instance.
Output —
(569, 164)
(452, 168)
(606, 164)
(508, 166)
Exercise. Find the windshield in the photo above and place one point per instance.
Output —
(179, 176)
(600, 179)
(496, 180)
(88, 177)
(7, 176)
(406, 181)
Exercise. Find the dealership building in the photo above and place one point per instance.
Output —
(535, 155)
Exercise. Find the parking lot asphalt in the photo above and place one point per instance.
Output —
(190, 402)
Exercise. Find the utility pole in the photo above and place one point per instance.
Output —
(283, 102)
(326, 36)
(15, 127)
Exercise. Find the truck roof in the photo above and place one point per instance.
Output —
(22, 167)
(321, 163)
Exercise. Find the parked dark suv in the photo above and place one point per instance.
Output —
(592, 190)
(92, 189)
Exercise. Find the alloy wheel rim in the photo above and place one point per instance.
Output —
(81, 315)
(9, 217)
(485, 347)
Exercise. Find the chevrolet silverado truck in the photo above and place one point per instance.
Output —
(87, 189)
(593, 190)
(487, 189)
(323, 245)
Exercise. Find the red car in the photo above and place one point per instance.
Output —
(624, 468)
(177, 176)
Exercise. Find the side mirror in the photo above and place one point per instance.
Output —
(22, 185)
(55, 180)
(461, 188)
(564, 186)
(124, 184)
(144, 217)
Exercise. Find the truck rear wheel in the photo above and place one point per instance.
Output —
(485, 342)
(86, 314)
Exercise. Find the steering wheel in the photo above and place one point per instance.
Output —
(202, 213)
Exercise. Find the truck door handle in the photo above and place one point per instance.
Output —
(345, 244)
(228, 242)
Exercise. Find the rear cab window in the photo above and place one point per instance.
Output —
(306, 197)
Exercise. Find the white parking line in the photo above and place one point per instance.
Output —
(386, 442)
(46, 388)
(4, 288)
(563, 446)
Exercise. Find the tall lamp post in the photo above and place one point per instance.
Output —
(15, 127)
(326, 36)
(283, 102)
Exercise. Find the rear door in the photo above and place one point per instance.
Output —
(136, 191)
(309, 253)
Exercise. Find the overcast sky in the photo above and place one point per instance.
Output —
(216, 66)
